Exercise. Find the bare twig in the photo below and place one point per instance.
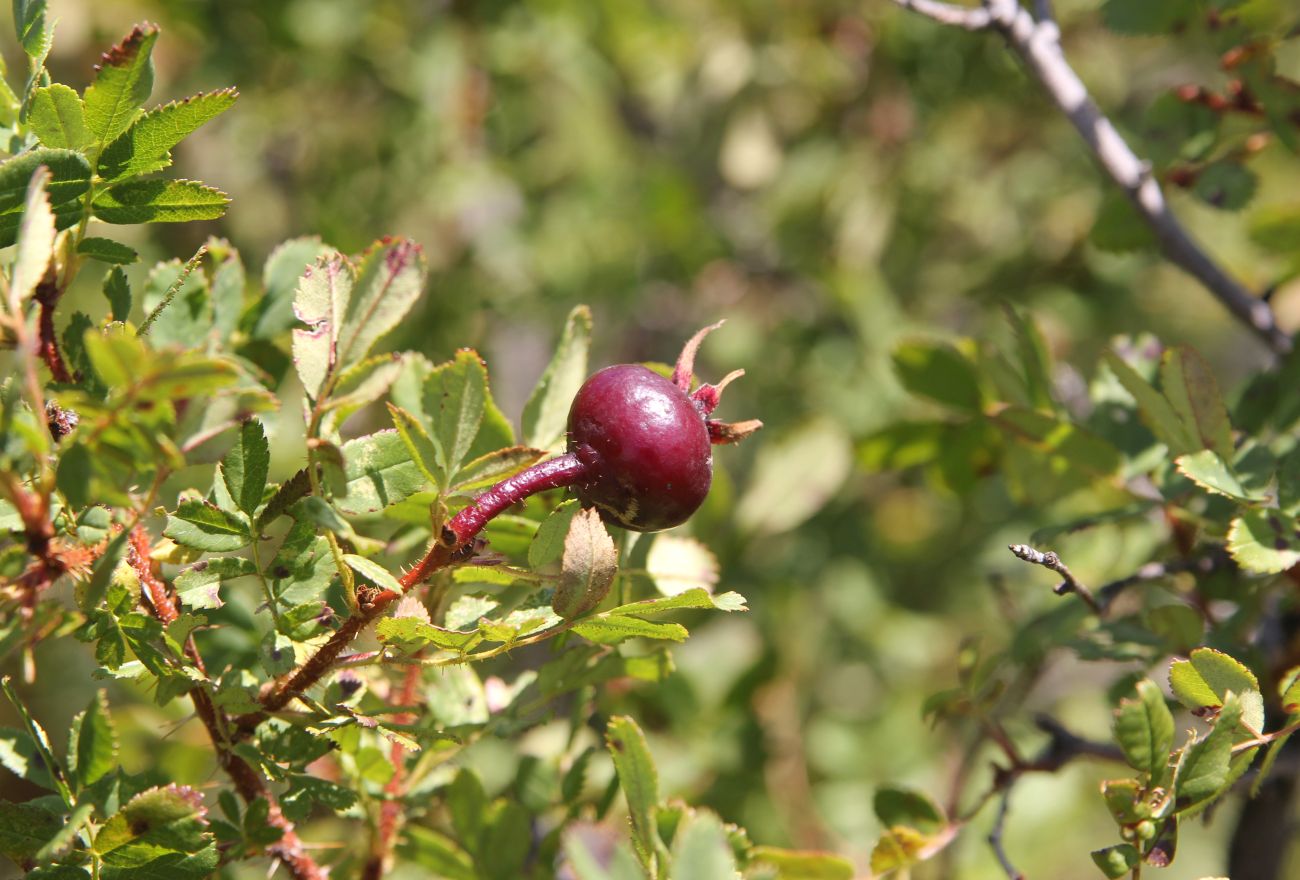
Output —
(1071, 584)
(995, 838)
(1037, 43)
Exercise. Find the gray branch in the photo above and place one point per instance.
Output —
(1038, 45)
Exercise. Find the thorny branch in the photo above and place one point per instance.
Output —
(1037, 43)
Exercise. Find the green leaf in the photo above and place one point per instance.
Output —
(379, 472)
(1204, 768)
(20, 756)
(24, 829)
(436, 853)
(35, 242)
(546, 413)
(1289, 691)
(412, 634)
(1178, 130)
(638, 779)
(122, 84)
(548, 542)
(1146, 17)
(1264, 541)
(378, 575)
(454, 397)
(795, 475)
(204, 526)
(177, 302)
(1227, 185)
(422, 448)
(507, 840)
(1116, 861)
(1207, 470)
(467, 803)
(69, 177)
(1144, 729)
(610, 629)
(491, 467)
(587, 568)
(29, 23)
(107, 251)
(361, 384)
(92, 744)
(152, 823)
(1205, 679)
(117, 290)
(57, 118)
(702, 851)
(1159, 415)
(246, 465)
(169, 866)
(227, 293)
(897, 806)
(199, 586)
(1189, 385)
(389, 281)
(697, 597)
(159, 201)
(939, 372)
(273, 313)
(146, 146)
(793, 864)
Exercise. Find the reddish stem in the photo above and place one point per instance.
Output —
(454, 545)
(390, 811)
(47, 296)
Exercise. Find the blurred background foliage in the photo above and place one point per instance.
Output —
(832, 178)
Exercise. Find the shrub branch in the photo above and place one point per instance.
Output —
(1036, 41)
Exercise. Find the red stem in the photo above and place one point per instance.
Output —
(47, 296)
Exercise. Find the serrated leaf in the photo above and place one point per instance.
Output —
(320, 301)
(199, 586)
(69, 178)
(454, 397)
(1205, 679)
(1264, 541)
(610, 629)
(29, 23)
(1207, 470)
(379, 472)
(159, 201)
(1144, 729)
(435, 853)
(546, 412)
(389, 281)
(92, 744)
(494, 466)
(56, 117)
(1189, 386)
(246, 465)
(588, 566)
(35, 242)
(24, 829)
(204, 526)
(422, 448)
(1203, 771)
(152, 823)
(20, 756)
(117, 290)
(362, 384)
(107, 251)
(146, 146)
(697, 597)
(122, 84)
(639, 780)
(412, 634)
(548, 542)
(939, 372)
(1157, 412)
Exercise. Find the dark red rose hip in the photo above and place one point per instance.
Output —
(645, 445)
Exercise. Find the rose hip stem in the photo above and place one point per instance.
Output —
(457, 537)
(554, 473)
